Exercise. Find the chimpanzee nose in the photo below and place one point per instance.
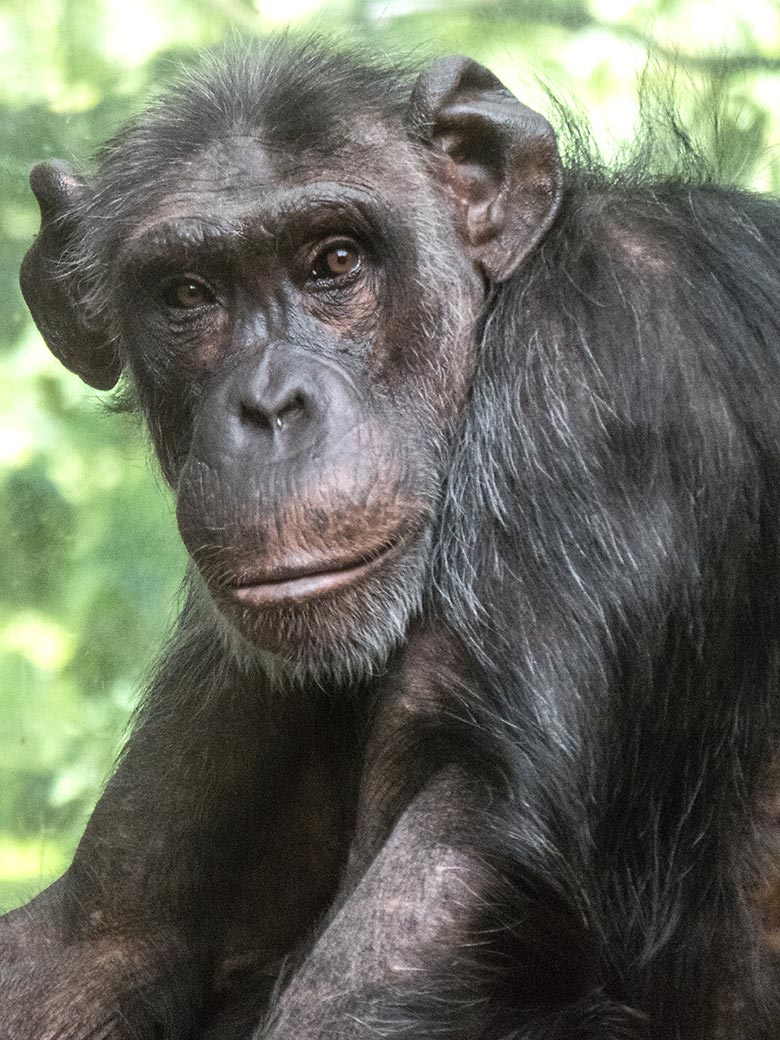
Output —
(275, 406)
(282, 408)
(276, 410)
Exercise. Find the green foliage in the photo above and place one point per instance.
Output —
(91, 560)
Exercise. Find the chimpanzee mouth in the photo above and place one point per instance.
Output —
(295, 584)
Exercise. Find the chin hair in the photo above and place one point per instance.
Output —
(342, 641)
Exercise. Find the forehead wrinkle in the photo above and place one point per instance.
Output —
(324, 198)
(257, 220)
(184, 234)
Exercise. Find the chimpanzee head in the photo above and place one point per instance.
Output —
(288, 255)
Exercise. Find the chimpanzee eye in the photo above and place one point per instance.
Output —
(336, 260)
(187, 294)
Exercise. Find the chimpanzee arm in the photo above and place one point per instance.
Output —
(438, 929)
(409, 910)
(196, 820)
(432, 941)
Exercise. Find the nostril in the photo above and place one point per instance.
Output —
(289, 412)
(273, 417)
(252, 415)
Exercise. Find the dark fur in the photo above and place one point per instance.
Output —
(606, 562)
(610, 552)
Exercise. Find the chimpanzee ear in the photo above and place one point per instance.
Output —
(48, 288)
(496, 159)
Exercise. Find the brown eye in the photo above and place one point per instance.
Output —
(188, 293)
(336, 261)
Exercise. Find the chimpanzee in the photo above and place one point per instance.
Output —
(468, 728)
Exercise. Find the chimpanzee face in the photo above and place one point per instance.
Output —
(295, 301)
(291, 307)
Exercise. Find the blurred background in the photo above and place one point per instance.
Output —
(89, 557)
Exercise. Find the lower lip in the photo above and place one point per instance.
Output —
(308, 586)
